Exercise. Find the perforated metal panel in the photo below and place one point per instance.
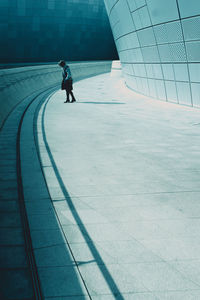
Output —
(162, 11)
(161, 34)
(171, 91)
(178, 53)
(165, 53)
(184, 94)
(196, 94)
(168, 71)
(132, 5)
(191, 28)
(140, 3)
(193, 51)
(165, 49)
(181, 72)
(160, 88)
(194, 70)
(146, 37)
(157, 70)
(150, 54)
(137, 20)
(144, 16)
(189, 8)
(174, 32)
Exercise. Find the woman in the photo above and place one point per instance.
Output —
(67, 83)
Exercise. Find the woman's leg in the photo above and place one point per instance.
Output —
(67, 95)
(72, 95)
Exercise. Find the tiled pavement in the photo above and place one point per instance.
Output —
(116, 214)
(125, 187)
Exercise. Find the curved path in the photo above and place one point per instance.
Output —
(108, 191)
(123, 174)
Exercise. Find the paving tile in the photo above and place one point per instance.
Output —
(89, 216)
(105, 232)
(91, 253)
(45, 159)
(140, 296)
(7, 162)
(75, 233)
(127, 296)
(66, 216)
(110, 278)
(132, 217)
(43, 221)
(56, 193)
(37, 193)
(13, 257)
(71, 203)
(8, 194)
(169, 249)
(61, 281)
(19, 280)
(179, 295)
(70, 297)
(11, 236)
(8, 176)
(8, 168)
(11, 219)
(159, 276)
(47, 238)
(121, 214)
(188, 227)
(54, 256)
(8, 184)
(144, 230)
(103, 203)
(128, 251)
(9, 206)
(85, 190)
(189, 268)
(39, 207)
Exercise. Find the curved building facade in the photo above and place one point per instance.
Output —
(48, 30)
(158, 43)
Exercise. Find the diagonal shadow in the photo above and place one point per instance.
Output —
(97, 257)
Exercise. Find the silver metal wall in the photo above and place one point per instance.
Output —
(158, 42)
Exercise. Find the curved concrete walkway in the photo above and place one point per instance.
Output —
(123, 174)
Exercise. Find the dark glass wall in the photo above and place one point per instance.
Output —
(47, 30)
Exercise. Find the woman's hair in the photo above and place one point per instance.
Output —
(61, 63)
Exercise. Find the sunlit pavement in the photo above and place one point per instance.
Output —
(123, 173)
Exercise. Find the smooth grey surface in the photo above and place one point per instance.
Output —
(125, 182)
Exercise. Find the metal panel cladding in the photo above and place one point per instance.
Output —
(158, 43)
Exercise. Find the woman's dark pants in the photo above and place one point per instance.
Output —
(70, 93)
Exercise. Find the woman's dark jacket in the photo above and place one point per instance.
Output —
(67, 83)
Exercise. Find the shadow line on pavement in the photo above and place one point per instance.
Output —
(97, 257)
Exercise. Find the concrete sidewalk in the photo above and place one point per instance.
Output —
(126, 190)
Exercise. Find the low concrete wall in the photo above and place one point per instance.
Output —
(18, 83)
